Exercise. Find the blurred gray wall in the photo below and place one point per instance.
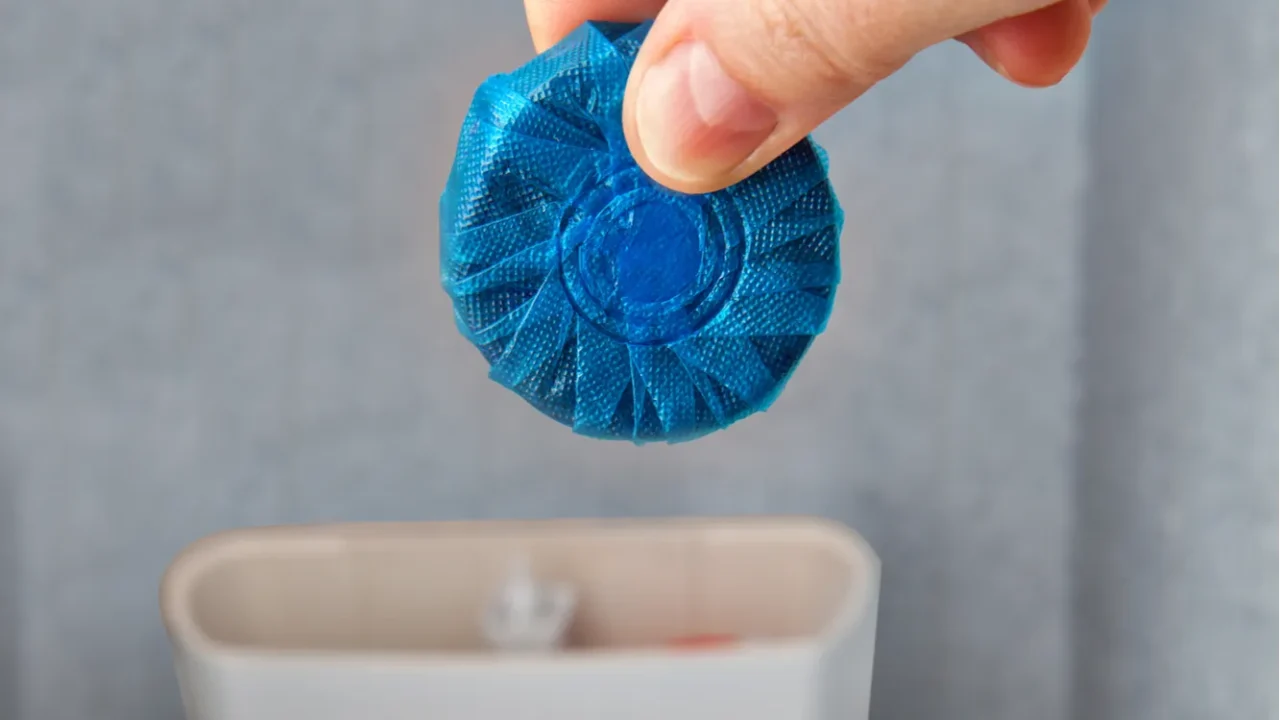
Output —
(1047, 395)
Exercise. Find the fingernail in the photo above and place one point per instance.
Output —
(693, 120)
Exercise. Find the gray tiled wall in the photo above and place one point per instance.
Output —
(1045, 395)
(1175, 550)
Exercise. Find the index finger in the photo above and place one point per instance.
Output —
(551, 20)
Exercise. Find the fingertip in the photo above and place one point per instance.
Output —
(692, 120)
(1038, 49)
(542, 22)
(543, 39)
(551, 20)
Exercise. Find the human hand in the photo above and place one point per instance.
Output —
(722, 87)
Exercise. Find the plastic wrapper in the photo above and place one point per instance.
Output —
(614, 305)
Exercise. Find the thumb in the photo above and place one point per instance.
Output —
(722, 87)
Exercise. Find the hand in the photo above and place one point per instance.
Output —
(722, 87)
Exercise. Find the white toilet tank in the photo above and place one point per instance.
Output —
(382, 621)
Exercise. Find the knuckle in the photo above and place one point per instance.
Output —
(832, 41)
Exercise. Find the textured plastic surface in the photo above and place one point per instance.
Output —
(610, 303)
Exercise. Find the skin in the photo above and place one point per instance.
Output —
(791, 64)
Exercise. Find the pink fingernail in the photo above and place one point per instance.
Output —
(693, 120)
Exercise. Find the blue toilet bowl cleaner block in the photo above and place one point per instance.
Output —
(614, 305)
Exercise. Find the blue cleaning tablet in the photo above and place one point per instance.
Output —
(616, 306)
